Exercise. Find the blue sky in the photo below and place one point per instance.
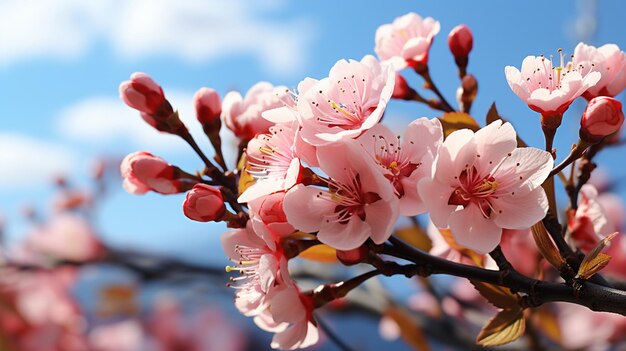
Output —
(61, 62)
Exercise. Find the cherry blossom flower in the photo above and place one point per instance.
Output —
(268, 217)
(482, 183)
(609, 60)
(273, 161)
(589, 223)
(405, 161)
(242, 115)
(406, 41)
(349, 101)
(547, 89)
(259, 264)
(360, 203)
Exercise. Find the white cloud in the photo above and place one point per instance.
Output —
(101, 121)
(192, 30)
(25, 161)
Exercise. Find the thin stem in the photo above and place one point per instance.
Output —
(433, 87)
(577, 151)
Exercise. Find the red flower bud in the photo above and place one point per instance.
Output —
(208, 105)
(204, 203)
(143, 172)
(603, 116)
(401, 89)
(142, 93)
(460, 41)
(354, 256)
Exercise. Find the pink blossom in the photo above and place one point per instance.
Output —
(603, 116)
(142, 93)
(520, 249)
(66, 237)
(348, 102)
(584, 329)
(589, 223)
(405, 161)
(547, 89)
(360, 203)
(259, 263)
(482, 183)
(143, 172)
(208, 105)
(126, 335)
(290, 316)
(243, 115)
(609, 60)
(204, 203)
(406, 41)
(460, 41)
(273, 160)
(268, 217)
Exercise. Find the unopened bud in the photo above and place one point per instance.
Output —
(467, 92)
(142, 93)
(603, 116)
(401, 89)
(460, 41)
(208, 106)
(143, 172)
(204, 203)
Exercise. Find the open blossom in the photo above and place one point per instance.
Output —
(259, 264)
(406, 41)
(483, 183)
(547, 89)
(589, 223)
(404, 161)
(273, 161)
(242, 115)
(143, 172)
(349, 101)
(359, 204)
(609, 60)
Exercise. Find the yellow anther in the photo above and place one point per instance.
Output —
(341, 109)
(266, 150)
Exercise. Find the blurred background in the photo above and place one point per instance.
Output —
(61, 62)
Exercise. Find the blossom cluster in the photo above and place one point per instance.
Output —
(319, 167)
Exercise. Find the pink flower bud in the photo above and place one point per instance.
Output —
(204, 203)
(271, 210)
(401, 89)
(143, 172)
(208, 105)
(142, 93)
(603, 116)
(354, 256)
(460, 41)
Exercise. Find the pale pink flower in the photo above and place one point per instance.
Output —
(242, 115)
(268, 217)
(273, 160)
(483, 183)
(348, 102)
(547, 89)
(404, 161)
(583, 329)
(589, 223)
(290, 316)
(259, 264)
(520, 249)
(360, 204)
(143, 172)
(66, 237)
(127, 335)
(204, 203)
(609, 60)
(406, 41)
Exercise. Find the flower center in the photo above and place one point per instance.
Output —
(351, 200)
(474, 189)
(390, 156)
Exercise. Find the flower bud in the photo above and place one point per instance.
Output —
(143, 172)
(204, 203)
(460, 41)
(142, 93)
(208, 106)
(603, 116)
(354, 256)
(401, 89)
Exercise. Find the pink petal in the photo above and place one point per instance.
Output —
(456, 152)
(524, 170)
(280, 115)
(381, 217)
(304, 209)
(261, 188)
(493, 143)
(344, 236)
(438, 195)
(416, 48)
(473, 231)
(520, 211)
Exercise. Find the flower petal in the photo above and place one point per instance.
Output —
(520, 212)
(473, 231)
